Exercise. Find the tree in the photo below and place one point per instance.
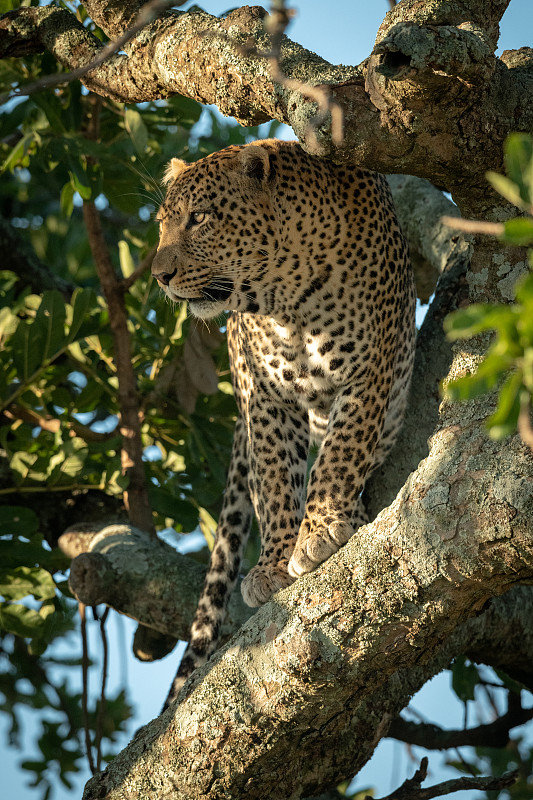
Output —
(441, 573)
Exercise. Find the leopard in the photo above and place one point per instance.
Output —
(308, 258)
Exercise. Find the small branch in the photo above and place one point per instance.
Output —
(85, 687)
(145, 264)
(53, 425)
(495, 734)
(410, 789)
(136, 496)
(276, 24)
(474, 226)
(102, 703)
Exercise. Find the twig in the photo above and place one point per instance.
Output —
(43, 489)
(410, 789)
(474, 226)
(102, 703)
(280, 17)
(145, 264)
(85, 685)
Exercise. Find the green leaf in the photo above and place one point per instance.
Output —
(20, 620)
(51, 105)
(37, 341)
(519, 231)
(504, 420)
(79, 178)
(518, 149)
(126, 261)
(23, 581)
(465, 678)
(50, 322)
(17, 521)
(479, 317)
(510, 683)
(18, 155)
(487, 375)
(83, 301)
(66, 200)
(188, 111)
(164, 502)
(137, 129)
(8, 5)
(507, 188)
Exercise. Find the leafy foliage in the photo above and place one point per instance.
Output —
(509, 360)
(58, 385)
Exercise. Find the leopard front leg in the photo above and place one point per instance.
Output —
(278, 447)
(334, 509)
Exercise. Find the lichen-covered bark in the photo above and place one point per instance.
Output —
(319, 667)
(417, 105)
(140, 577)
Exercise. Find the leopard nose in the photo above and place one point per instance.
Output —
(164, 277)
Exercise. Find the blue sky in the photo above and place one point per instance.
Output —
(342, 31)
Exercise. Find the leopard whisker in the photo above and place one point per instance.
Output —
(146, 176)
(214, 285)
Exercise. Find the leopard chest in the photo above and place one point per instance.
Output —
(298, 364)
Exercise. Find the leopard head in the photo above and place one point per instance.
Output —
(219, 232)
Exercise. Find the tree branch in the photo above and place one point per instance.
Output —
(330, 660)
(495, 734)
(424, 53)
(147, 13)
(136, 495)
(116, 564)
(411, 790)
(446, 253)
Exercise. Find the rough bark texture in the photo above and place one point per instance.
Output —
(417, 105)
(326, 665)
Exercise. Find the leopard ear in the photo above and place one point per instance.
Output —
(255, 161)
(174, 168)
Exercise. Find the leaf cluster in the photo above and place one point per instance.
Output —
(59, 401)
(509, 360)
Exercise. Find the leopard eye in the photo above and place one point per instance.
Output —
(197, 217)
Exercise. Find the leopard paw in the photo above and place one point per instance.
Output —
(263, 581)
(314, 546)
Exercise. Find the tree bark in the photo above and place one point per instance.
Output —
(416, 106)
(327, 664)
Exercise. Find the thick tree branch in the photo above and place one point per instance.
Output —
(141, 577)
(431, 84)
(443, 252)
(322, 663)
